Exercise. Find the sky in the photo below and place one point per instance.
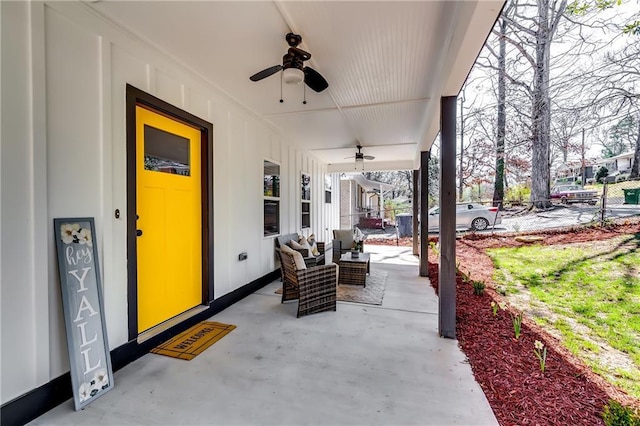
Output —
(475, 93)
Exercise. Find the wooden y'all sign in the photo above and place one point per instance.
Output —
(89, 358)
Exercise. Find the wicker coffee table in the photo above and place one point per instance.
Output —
(353, 270)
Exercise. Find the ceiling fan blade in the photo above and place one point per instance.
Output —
(314, 80)
(265, 73)
(369, 157)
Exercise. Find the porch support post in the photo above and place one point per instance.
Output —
(414, 203)
(424, 209)
(381, 206)
(447, 275)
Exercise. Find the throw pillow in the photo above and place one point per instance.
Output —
(286, 248)
(305, 244)
(295, 245)
(297, 257)
(311, 239)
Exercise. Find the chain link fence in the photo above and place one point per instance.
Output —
(610, 202)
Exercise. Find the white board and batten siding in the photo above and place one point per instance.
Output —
(64, 154)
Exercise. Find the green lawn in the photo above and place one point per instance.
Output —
(586, 293)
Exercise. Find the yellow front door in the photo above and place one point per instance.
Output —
(169, 225)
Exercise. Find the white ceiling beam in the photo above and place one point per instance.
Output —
(349, 107)
(375, 166)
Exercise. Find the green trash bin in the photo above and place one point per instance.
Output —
(631, 196)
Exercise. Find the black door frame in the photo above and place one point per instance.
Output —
(136, 97)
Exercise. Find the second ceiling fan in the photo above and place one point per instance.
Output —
(360, 156)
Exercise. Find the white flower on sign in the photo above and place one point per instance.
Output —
(85, 391)
(84, 237)
(101, 379)
(69, 232)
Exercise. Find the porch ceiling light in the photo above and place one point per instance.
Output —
(292, 76)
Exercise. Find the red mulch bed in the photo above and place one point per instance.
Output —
(509, 372)
(568, 393)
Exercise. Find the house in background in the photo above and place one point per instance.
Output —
(362, 202)
(571, 171)
(620, 164)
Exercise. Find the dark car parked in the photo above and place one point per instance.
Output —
(567, 194)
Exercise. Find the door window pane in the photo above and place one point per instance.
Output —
(166, 152)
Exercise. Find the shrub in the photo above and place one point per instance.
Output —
(601, 174)
(517, 194)
(390, 208)
(616, 414)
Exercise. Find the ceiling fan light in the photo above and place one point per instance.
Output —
(292, 76)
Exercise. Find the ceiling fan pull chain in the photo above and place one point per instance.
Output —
(281, 100)
(304, 94)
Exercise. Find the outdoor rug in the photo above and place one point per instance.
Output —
(372, 294)
(192, 342)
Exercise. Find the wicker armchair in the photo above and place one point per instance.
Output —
(343, 242)
(315, 288)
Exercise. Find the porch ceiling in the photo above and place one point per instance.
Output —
(387, 64)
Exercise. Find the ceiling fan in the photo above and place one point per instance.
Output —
(293, 71)
(359, 156)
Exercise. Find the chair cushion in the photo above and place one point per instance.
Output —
(346, 238)
(297, 257)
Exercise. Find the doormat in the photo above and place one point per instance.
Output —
(192, 342)
(372, 294)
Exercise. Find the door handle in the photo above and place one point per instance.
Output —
(138, 232)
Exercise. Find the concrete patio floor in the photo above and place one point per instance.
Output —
(361, 365)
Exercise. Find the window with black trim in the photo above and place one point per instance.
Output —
(271, 195)
(327, 189)
(305, 196)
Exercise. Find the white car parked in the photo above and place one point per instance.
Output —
(472, 216)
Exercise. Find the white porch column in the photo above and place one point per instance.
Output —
(381, 206)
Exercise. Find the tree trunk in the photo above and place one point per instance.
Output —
(635, 164)
(498, 186)
(541, 111)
